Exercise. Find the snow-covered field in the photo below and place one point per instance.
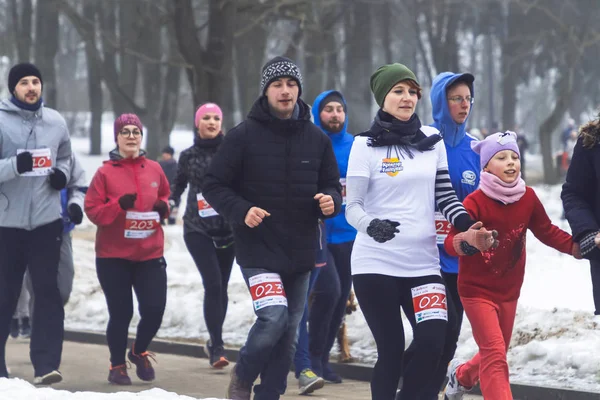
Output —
(13, 389)
(556, 340)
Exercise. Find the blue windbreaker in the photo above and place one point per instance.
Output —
(463, 163)
(338, 229)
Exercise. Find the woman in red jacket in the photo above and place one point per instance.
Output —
(489, 283)
(127, 199)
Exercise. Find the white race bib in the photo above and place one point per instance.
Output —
(42, 162)
(429, 302)
(140, 225)
(204, 209)
(267, 290)
(442, 227)
(343, 183)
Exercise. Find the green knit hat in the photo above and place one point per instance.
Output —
(386, 77)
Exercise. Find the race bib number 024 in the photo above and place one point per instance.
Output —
(267, 290)
(140, 225)
(42, 162)
(429, 302)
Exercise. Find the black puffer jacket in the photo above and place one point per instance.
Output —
(279, 166)
(193, 166)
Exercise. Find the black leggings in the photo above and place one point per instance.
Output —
(380, 298)
(149, 280)
(215, 268)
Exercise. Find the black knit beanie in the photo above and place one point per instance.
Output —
(20, 71)
(333, 96)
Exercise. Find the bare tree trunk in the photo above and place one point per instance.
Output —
(22, 28)
(358, 66)
(250, 47)
(94, 77)
(209, 74)
(564, 94)
(46, 47)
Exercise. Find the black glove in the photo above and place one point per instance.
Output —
(162, 208)
(382, 230)
(58, 179)
(24, 162)
(75, 213)
(127, 201)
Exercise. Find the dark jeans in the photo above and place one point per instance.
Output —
(215, 268)
(595, 270)
(149, 281)
(302, 356)
(39, 251)
(380, 298)
(271, 342)
(330, 296)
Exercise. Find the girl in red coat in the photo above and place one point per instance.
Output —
(127, 199)
(489, 283)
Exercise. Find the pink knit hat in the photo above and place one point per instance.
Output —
(493, 144)
(124, 120)
(207, 108)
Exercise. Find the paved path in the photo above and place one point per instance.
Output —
(85, 368)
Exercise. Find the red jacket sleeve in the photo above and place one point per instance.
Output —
(473, 210)
(549, 234)
(98, 208)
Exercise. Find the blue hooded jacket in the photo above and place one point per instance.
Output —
(338, 229)
(463, 163)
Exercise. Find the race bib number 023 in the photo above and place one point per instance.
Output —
(140, 225)
(42, 162)
(267, 290)
(429, 302)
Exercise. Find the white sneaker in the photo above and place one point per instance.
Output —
(48, 379)
(454, 390)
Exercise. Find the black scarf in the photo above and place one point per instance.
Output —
(208, 143)
(405, 135)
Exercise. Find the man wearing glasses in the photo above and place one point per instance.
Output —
(35, 159)
(451, 98)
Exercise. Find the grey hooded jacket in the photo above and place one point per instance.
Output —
(28, 202)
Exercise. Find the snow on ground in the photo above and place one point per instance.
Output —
(556, 340)
(18, 389)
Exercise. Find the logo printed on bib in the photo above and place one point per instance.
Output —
(204, 209)
(267, 290)
(469, 177)
(42, 162)
(141, 225)
(391, 166)
(429, 302)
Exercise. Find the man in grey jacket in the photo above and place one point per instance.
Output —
(35, 154)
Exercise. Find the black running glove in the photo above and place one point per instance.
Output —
(127, 201)
(75, 213)
(24, 162)
(58, 179)
(383, 230)
(161, 208)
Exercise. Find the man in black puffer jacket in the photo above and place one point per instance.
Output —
(273, 177)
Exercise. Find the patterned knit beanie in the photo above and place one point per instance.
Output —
(280, 67)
